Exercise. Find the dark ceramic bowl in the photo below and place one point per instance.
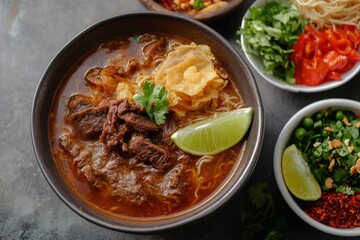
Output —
(203, 17)
(130, 23)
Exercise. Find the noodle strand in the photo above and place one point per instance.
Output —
(329, 13)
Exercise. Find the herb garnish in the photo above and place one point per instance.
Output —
(136, 37)
(270, 33)
(258, 215)
(154, 100)
(198, 4)
(331, 146)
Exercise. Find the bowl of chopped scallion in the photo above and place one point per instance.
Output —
(293, 52)
(317, 165)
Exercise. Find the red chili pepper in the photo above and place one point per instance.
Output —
(335, 61)
(322, 56)
(313, 71)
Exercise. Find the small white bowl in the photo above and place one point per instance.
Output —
(284, 140)
(256, 63)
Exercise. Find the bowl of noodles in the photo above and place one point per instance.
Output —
(303, 45)
(114, 96)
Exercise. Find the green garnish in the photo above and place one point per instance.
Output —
(258, 220)
(198, 4)
(332, 148)
(154, 100)
(136, 37)
(270, 33)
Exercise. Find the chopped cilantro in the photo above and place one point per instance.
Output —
(136, 37)
(154, 100)
(198, 4)
(332, 149)
(270, 33)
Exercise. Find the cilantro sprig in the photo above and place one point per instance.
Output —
(258, 220)
(154, 100)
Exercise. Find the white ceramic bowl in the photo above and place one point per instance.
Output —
(284, 140)
(256, 62)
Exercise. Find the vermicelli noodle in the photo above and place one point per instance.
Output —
(329, 13)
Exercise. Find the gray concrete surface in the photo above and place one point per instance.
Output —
(31, 33)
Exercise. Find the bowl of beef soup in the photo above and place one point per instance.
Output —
(113, 161)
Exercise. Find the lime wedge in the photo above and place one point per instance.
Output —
(214, 135)
(297, 175)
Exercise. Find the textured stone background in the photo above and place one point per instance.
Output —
(31, 33)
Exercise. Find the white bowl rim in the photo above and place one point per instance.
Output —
(256, 63)
(282, 142)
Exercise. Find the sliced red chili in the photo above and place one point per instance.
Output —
(335, 61)
(332, 75)
(313, 71)
(321, 56)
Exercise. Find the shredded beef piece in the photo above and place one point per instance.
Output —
(124, 106)
(163, 137)
(169, 188)
(139, 122)
(113, 134)
(78, 103)
(146, 151)
(88, 123)
(66, 144)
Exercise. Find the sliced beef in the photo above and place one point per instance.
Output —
(113, 134)
(129, 187)
(139, 122)
(124, 106)
(67, 144)
(89, 122)
(163, 137)
(169, 188)
(103, 167)
(146, 151)
(77, 103)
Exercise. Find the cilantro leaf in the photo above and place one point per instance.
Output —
(258, 215)
(270, 33)
(154, 100)
(198, 4)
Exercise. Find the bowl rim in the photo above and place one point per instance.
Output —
(256, 63)
(203, 17)
(225, 197)
(283, 141)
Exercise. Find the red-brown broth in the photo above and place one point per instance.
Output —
(101, 199)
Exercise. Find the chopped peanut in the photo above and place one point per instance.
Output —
(335, 143)
(346, 121)
(351, 149)
(316, 144)
(329, 183)
(347, 142)
(331, 165)
(328, 129)
(357, 165)
(352, 170)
